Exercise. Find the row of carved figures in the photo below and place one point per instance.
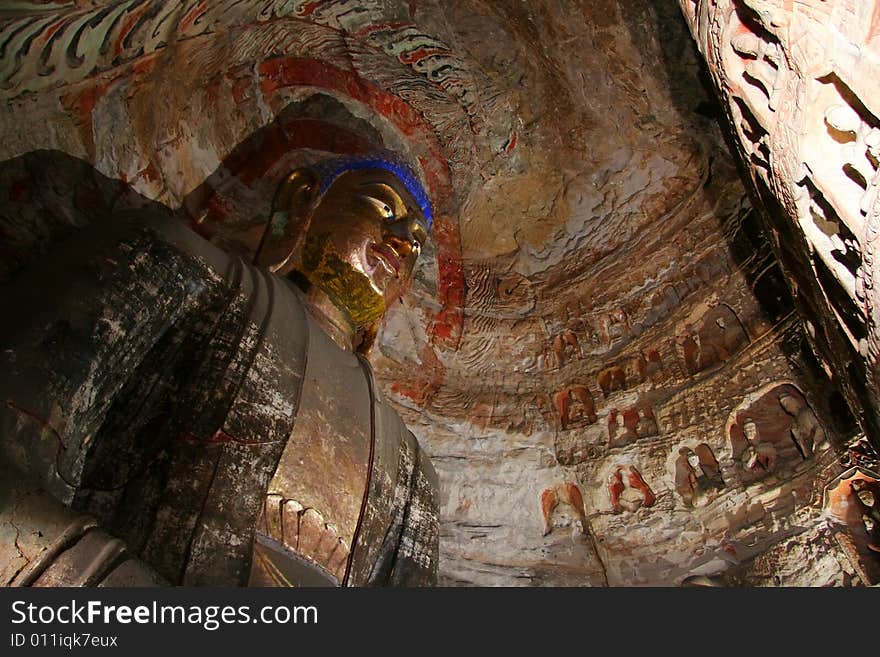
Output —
(791, 433)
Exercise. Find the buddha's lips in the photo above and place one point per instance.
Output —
(388, 256)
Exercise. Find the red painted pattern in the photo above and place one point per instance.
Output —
(49, 31)
(422, 53)
(127, 27)
(447, 325)
(511, 144)
(192, 16)
(283, 72)
(81, 105)
(310, 8)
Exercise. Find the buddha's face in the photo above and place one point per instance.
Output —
(363, 241)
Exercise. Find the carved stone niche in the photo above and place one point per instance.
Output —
(629, 424)
(852, 504)
(713, 339)
(581, 445)
(628, 490)
(563, 496)
(772, 432)
(566, 347)
(696, 474)
(575, 407)
(611, 379)
(751, 57)
(628, 373)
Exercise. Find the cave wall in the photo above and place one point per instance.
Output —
(599, 299)
(799, 88)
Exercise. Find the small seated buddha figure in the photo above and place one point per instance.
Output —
(171, 413)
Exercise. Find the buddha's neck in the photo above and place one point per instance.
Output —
(335, 322)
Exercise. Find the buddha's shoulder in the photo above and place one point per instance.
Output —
(160, 225)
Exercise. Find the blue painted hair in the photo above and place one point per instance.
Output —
(330, 170)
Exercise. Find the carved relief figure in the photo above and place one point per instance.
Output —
(799, 82)
(568, 494)
(566, 347)
(653, 363)
(806, 432)
(614, 325)
(628, 491)
(721, 335)
(696, 472)
(575, 406)
(709, 465)
(759, 454)
(636, 370)
(220, 422)
(689, 349)
(775, 430)
(866, 496)
(611, 379)
(647, 424)
(684, 477)
(715, 337)
(759, 59)
(627, 425)
(620, 432)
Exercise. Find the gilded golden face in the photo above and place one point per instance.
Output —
(362, 243)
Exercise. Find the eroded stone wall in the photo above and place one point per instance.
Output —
(799, 86)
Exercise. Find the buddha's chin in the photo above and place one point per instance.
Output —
(350, 289)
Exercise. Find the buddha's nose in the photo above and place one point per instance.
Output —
(402, 237)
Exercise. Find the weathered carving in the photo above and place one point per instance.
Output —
(628, 491)
(575, 407)
(567, 493)
(760, 453)
(713, 339)
(866, 496)
(799, 84)
(622, 427)
(611, 379)
(852, 501)
(614, 325)
(216, 386)
(806, 432)
(695, 473)
(653, 363)
(566, 347)
(774, 429)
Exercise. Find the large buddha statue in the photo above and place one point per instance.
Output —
(173, 413)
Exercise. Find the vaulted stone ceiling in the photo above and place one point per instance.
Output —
(599, 315)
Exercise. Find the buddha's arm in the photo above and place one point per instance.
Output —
(80, 322)
(45, 543)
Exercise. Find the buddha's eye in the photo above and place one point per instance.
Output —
(420, 236)
(384, 209)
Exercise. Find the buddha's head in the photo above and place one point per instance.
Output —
(352, 227)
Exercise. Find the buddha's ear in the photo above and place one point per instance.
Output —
(288, 222)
